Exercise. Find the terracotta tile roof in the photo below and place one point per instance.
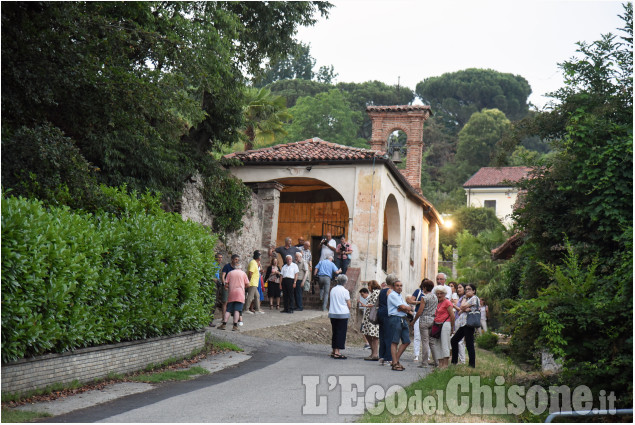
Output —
(491, 176)
(380, 108)
(307, 151)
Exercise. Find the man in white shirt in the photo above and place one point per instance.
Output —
(289, 278)
(328, 247)
(303, 274)
(441, 278)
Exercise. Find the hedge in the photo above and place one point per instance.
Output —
(73, 279)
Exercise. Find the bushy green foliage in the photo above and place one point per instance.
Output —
(41, 162)
(142, 91)
(475, 260)
(584, 319)
(327, 115)
(487, 341)
(571, 282)
(471, 219)
(72, 280)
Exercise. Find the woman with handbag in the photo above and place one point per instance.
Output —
(465, 325)
(368, 328)
(274, 283)
(444, 323)
(424, 319)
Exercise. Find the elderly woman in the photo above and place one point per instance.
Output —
(274, 283)
(339, 313)
(444, 317)
(370, 330)
(426, 309)
(469, 304)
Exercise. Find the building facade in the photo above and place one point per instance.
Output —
(313, 187)
(495, 188)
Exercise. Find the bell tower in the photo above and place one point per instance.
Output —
(409, 119)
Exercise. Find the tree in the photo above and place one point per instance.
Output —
(375, 92)
(298, 65)
(476, 146)
(472, 221)
(143, 90)
(265, 115)
(292, 90)
(457, 95)
(577, 217)
(327, 116)
(359, 95)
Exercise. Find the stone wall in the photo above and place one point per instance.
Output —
(245, 241)
(193, 204)
(249, 238)
(92, 363)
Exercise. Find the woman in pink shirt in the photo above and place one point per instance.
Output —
(236, 282)
(444, 316)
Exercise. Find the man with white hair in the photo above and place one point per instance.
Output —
(289, 278)
(441, 278)
(303, 273)
(324, 271)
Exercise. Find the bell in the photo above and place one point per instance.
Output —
(396, 156)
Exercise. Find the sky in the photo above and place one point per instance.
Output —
(408, 41)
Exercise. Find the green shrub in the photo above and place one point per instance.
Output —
(72, 280)
(487, 341)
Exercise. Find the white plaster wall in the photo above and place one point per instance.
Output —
(367, 246)
(505, 198)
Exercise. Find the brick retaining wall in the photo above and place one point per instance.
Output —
(87, 364)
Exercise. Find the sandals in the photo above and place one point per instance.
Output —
(398, 367)
(339, 357)
(372, 359)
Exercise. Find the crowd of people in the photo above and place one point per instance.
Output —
(238, 291)
(437, 314)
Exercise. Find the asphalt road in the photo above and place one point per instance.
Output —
(272, 381)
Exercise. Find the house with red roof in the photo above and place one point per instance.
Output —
(313, 187)
(495, 187)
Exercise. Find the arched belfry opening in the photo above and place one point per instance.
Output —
(409, 119)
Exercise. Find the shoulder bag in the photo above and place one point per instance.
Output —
(373, 313)
(473, 319)
(435, 330)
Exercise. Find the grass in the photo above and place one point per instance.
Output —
(49, 389)
(16, 416)
(489, 367)
(169, 375)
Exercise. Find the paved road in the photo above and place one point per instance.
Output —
(266, 383)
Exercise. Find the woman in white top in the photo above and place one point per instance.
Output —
(484, 315)
(455, 296)
(469, 304)
(339, 313)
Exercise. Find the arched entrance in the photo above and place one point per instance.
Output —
(392, 236)
(310, 208)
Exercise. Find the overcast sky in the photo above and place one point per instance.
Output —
(384, 40)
